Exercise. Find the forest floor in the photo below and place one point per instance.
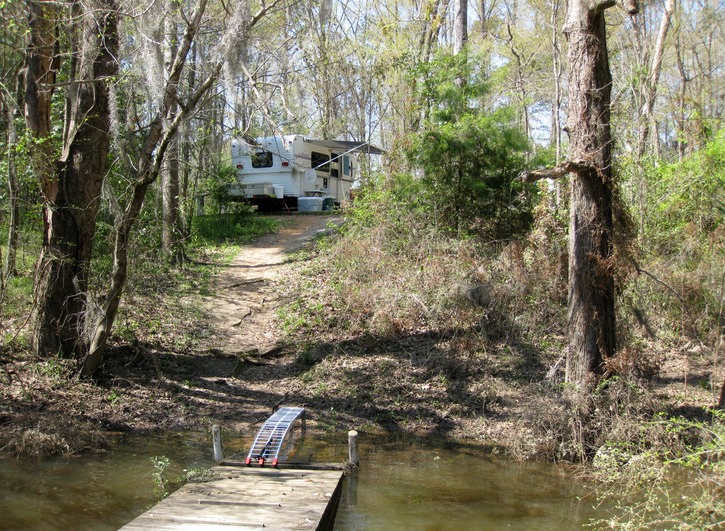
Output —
(225, 358)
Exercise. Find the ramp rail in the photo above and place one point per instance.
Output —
(271, 436)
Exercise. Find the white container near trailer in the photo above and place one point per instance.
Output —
(301, 166)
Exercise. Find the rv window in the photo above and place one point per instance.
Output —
(334, 166)
(320, 161)
(346, 167)
(261, 158)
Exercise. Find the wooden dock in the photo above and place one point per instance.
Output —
(250, 498)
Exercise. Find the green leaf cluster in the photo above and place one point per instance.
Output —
(688, 196)
(467, 156)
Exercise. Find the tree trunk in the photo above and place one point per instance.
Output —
(71, 185)
(171, 229)
(171, 234)
(680, 114)
(160, 135)
(650, 84)
(9, 267)
(591, 320)
(460, 26)
(555, 139)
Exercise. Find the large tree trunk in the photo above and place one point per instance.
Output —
(591, 321)
(70, 185)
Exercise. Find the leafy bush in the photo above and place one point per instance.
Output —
(678, 293)
(687, 197)
(672, 476)
(468, 157)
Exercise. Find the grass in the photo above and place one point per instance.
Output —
(237, 227)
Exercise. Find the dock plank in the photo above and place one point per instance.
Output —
(249, 498)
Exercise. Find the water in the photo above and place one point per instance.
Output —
(402, 484)
(443, 489)
(98, 492)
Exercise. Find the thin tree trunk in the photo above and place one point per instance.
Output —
(171, 231)
(460, 27)
(557, 70)
(187, 190)
(680, 116)
(10, 266)
(650, 89)
(160, 134)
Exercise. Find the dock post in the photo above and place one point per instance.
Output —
(216, 435)
(354, 457)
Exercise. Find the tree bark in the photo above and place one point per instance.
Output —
(9, 266)
(650, 85)
(171, 228)
(591, 320)
(71, 184)
(555, 139)
(460, 26)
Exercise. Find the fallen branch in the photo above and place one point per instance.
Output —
(245, 283)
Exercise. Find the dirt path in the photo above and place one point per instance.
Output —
(242, 312)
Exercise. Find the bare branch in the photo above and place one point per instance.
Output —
(262, 12)
(570, 166)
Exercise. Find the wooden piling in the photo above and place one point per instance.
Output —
(354, 457)
(216, 435)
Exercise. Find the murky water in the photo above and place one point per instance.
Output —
(402, 484)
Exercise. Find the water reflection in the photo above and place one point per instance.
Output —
(402, 484)
(409, 485)
(102, 491)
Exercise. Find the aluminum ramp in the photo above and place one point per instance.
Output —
(271, 436)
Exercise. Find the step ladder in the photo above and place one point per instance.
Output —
(271, 436)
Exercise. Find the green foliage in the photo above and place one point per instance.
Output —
(672, 478)
(198, 475)
(687, 197)
(241, 225)
(161, 464)
(682, 245)
(469, 158)
(218, 184)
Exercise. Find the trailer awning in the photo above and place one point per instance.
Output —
(347, 146)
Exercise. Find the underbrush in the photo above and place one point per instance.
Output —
(487, 321)
(45, 408)
(414, 330)
(670, 475)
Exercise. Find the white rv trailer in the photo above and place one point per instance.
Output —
(295, 166)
